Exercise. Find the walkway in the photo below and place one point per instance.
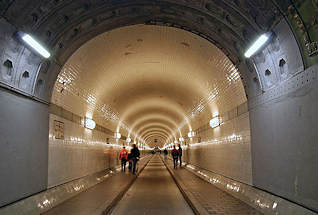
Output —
(154, 192)
(209, 197)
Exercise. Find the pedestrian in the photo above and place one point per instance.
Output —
(165, 152)
(129, 158)
(180, 154)
(135, 157)
(175, 155)
(123, 156)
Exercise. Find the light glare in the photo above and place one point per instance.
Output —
(215, 122)
(36, 46)
(191, 134)
(256, 45)
(89, 123)
(117, 135)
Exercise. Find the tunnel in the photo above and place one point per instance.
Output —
(218, 96)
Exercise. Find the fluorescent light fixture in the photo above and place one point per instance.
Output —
(215, 122)
(36, 46)
(256, 45)
(181, 139)
(117, 135)
(128, 140)
(89, 123)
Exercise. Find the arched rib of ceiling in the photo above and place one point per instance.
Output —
(154, 118)
(148, 128)
(228, 24)
(155, 107)
(155, 124)
(157, 131)
(150, 140)
(155, 135)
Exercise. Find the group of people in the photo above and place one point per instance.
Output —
(132, 158)
(176, 155)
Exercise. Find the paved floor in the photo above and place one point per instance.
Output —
(96, 199)
(214, 200)
(154, 192)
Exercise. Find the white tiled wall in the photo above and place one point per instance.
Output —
(80, 153)
(224, 150)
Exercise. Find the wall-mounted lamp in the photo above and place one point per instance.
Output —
(215, 122)
(89, 123)
(257, 45)
(191, 134)
(181, 139)
(128, 139)
(34, 44)
(176, 141)
(117, 135)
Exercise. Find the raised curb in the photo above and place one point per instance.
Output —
(195, 205)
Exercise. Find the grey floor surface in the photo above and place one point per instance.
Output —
(214, 200)
(154, 192)
(96, 199)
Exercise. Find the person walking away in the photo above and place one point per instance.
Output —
(129, 158)
(135, 157)
(175, 155)
(123, 156)
(180, 154)
(165, 152)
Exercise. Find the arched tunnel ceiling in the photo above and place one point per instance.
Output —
(143, 78)
(64, 25)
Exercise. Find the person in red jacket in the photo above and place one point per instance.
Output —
(175, 156)
(123, 156)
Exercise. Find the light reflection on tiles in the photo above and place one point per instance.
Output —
(234, 138)
(257, 197)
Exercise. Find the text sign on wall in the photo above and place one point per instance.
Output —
(58, 129)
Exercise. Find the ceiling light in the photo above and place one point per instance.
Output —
(89, 123)
(256, 45)
(215, 122)
(35, 45)
(128, 139)
(181, 139)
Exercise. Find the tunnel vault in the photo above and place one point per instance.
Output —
(65, 25)
(154, 72)
(279, 83)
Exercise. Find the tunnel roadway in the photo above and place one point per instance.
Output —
(154, 191)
